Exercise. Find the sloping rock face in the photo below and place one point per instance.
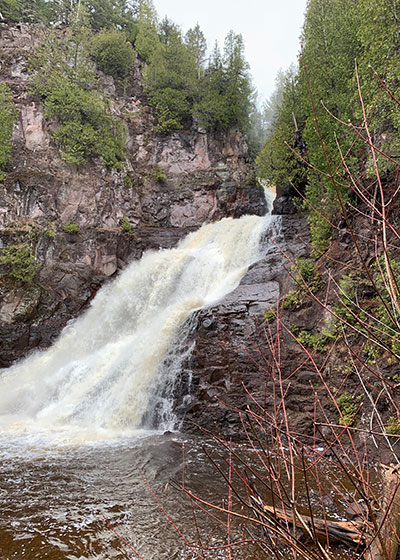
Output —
(231, 360)
(204, 181)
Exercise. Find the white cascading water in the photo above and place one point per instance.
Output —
(97, 377)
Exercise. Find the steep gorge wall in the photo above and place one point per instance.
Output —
(205, 181)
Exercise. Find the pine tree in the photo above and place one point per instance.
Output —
(8, 116)
(211, 110)
(28, 11)
(330, 47)
(147, 40)
(106, 14)
(197, 45)
(170, 79)
(238, 84)
(226, 99)
(379, 33)
(277, 163)
(273, 105)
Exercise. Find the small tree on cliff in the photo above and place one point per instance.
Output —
(64, 77)
(112, 53)
(8, 116)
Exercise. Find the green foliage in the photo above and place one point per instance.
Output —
(226, 90)
(320, 228)
(348, 406)
(50, 230)
(379, 35)
(65, 78)
(270, 315)
(317, 341)
(119, 14)
(28, 11)
(8, 117)
(256, 132)
(238, 82)
(372, 352)
(305, 272)
(101, 13)
(9, 11)
(158, 174)
(180, 90)
(171, 107)
(277, 161)
(126, 225)
(19, 263)
(393, 426)
(128, 182)
(273, 106)
(170, 79)
(112, 53)
(294, 299)
(388, 323)
(71, 227)
(369, 314)
(85, 129)
(306, 279)
(305, 268)
(146, 39)
(197, 45)
(330, 46)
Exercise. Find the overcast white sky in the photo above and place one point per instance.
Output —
(270, 28)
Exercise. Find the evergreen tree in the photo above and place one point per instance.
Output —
(277, 163)
(65, 78)
(8, 116)
(147, 40)
(211, 110)
(197, 45)
(238, 84)
(256, 134)
(273, 105)
(112, 53)
(28, 11)
(330, 47)
(379, 33)
(226, 99)
(170, 79)
(106, 14)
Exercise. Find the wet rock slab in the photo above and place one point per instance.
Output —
(230, 348)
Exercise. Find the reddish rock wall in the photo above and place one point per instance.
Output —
(205, 176)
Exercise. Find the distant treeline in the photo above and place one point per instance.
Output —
(337, 35)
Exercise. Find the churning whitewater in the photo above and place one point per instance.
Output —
(99, 373)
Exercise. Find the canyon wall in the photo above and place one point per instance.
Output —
(170, 186)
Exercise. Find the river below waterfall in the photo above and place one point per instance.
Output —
(106, 500)
(63, 502)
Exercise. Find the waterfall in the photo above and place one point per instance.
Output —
(99, 373)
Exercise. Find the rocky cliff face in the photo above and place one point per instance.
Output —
(170, 185)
